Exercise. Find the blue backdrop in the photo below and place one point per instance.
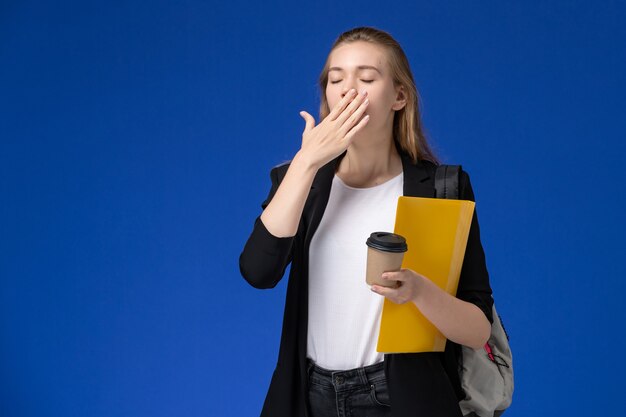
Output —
(135, 144)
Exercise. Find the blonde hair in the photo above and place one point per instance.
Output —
(407, 124)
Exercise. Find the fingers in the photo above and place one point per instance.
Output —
(398, 294)
(395, 275)
(343, 103)
(384, 291)
(359, 102)
(350, 135)
(310, 121)
(356, 117)
(356, 122)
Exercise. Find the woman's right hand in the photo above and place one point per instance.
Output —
(332, 136)
(320, 145)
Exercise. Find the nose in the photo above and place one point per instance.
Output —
(345, 91)
(347, 86)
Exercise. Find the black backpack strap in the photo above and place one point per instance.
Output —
(447, 181)
(447, 186)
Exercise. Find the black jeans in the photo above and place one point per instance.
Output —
(360, 392)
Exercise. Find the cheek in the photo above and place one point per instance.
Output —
(375, 107)
(332, 97)
(332, 102)
(380, 102)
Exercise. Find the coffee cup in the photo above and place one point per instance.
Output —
(385, 252)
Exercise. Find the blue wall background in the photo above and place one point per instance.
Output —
(135, 144)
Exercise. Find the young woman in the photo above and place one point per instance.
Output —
(367, 150)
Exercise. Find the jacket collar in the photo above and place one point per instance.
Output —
(416, 184)
(415, 178)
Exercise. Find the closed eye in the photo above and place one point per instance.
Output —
(365, 81)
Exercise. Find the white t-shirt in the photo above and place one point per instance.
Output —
(344, 314)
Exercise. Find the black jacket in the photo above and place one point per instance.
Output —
(420, 384)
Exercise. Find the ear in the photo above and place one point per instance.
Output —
(400, 99)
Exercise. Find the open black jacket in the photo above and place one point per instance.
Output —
(420, 384)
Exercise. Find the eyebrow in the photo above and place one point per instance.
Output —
(360, 68)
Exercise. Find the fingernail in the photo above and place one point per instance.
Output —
(352, 91)
(363, 92)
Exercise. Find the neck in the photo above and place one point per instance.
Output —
(368, 163)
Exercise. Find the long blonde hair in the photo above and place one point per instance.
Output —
(407, 124)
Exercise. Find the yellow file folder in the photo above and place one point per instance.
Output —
(436, 231)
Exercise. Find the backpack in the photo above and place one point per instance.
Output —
(486, 375)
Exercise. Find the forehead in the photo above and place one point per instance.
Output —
(352, 55)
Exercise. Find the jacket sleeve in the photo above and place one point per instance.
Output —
(265, 257)
(474, 284)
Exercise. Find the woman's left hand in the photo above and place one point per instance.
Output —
(408, 289)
